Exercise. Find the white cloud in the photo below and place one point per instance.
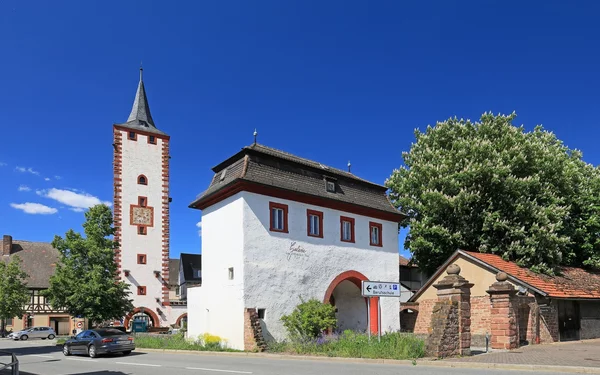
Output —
(199, 226)
(57, 177)
(3, 164)
(47, 179)
(77, 209)
(24, 188)
(28, 170)
(34, 208)
(72, 199)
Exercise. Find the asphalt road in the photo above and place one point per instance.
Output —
(43, 358)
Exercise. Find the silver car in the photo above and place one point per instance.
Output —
(34, 333)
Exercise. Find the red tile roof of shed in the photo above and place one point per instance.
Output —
(572, 282)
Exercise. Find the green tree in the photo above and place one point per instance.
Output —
(13, 290)
(492, 187)
(309, 319)
(85, 281)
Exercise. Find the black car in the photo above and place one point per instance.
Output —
(94, 342)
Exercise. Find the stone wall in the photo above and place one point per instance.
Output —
(548, 322)
(444, 326)
(253, 337)
(526, 310)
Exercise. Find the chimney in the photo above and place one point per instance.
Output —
(6, 245)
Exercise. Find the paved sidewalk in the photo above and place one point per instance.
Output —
(578, 354)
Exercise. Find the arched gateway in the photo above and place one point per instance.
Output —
(143, 313)
(344, 292)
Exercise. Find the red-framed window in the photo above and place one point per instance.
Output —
(278, 214)
(142, 201)
(142, 230)
(375, 234)
(314, 223)
(141, 290)
(132, 136)
(346, 229)
(142, 180)
(152, 139)
(142, 259)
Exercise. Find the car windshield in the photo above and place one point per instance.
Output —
(109, 332)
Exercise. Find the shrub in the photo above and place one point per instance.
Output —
(309, 319)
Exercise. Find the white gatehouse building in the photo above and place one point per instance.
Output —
(278, 229)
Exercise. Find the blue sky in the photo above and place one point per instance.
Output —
(328, 80)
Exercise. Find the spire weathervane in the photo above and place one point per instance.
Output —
(349, 167)
(255, 134)
(141, 71)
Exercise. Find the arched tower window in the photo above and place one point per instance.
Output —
(142, 180)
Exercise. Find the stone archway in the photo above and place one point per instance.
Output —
(344, 280)
(180, 319)
(151, 314)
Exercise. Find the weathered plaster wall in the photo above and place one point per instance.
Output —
(140, 157)
(280, 268)
(351, 307)
(217, 307)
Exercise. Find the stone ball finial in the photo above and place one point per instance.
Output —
(501, 276)
(453, 269)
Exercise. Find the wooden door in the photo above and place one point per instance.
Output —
(568, 320)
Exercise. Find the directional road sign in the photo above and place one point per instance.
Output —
(380, 289)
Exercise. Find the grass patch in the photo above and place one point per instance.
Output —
(60, 341)
(356, 345)
(205, 342)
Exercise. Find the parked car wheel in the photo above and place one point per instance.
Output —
(66, 350)
(51, 337)
(92, 351)
(127, 352)
(24, 337)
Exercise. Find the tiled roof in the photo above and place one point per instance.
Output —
(270, 167)
(188, 263)
(173, 272)
(571, 283)
(403, 261)
(38, 260)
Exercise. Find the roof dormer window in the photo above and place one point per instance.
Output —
(330, 186)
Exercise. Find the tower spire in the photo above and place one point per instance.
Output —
(140, 112)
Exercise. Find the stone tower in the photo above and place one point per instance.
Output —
(141, 210)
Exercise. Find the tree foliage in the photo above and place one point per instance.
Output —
(85, 282)
(492, 187)
(13, 289)
(309, 319)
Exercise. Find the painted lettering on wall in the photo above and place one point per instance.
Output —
(296, 251)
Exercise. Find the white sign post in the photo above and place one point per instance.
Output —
(378, 289)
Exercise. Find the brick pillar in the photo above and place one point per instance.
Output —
(451, 318)
(505, 334)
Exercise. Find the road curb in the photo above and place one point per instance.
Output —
(429, 363)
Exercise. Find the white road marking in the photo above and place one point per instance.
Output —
(40, 355)
(137, 364)
(81, 359)
(217, 370)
